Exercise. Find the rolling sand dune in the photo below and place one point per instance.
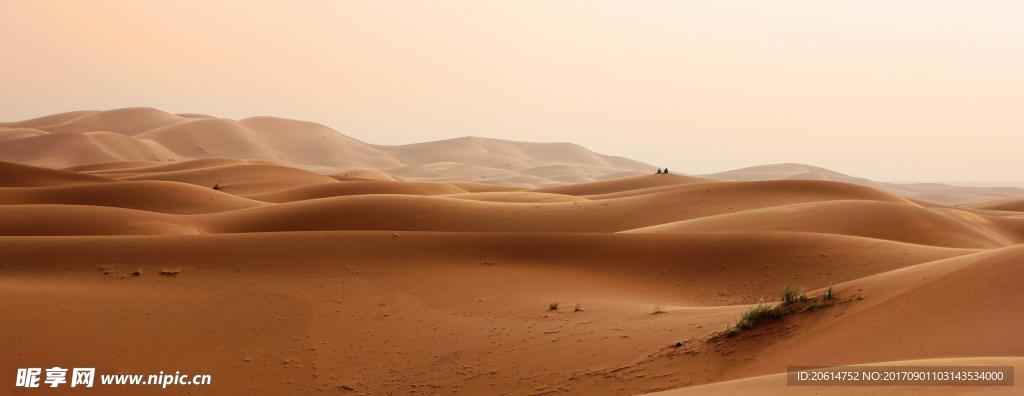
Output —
(965, 287)
(622, 185)
(42, 219)
(356, 187)
(18, 133)
(282, 257)
(145, 134)
(153, 196)
(478, 303)
(873, 219)
(238, 179)
(929, 192)
(14, 175)
(517, 197)
(1012, 204)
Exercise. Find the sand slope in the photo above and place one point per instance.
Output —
(874, 219)
(15, 175)
(929, 192)
(285, 280)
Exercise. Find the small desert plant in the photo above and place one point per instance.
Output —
(658, 309)
(553, 306)
(793, 300)
(788, 296)
(756, 314)
(216, 186)
(577, 308)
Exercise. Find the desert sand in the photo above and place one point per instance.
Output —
(137, 241)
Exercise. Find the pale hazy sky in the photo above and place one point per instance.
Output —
(891, 90)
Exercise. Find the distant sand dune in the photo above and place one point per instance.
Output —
(144, 134)
(874, 219)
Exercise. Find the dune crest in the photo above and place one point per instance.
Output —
(145, 134)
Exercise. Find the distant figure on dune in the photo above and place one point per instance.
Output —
(658, 172)
(665, 171)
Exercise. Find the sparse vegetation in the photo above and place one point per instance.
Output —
(577, 308)
(553, 306)
(216, 186)
(658, 309)
(789, 296)
(758, 313)
(791, 301)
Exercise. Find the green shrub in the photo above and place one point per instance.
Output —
(789, 296)
(756, 314)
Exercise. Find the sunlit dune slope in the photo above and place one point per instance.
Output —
(875, 219)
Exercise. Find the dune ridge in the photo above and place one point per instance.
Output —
(145, 134)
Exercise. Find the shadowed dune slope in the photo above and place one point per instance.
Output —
(356, 187)
(703, 269)
(15, 175)
(114, 166)
(403, 212)
(154, 196)
(874, 219)
(60, 150)
(1012, 204)
(54, 220)
(18, 133)
(620, 185)
(517, 197)
(238, 179)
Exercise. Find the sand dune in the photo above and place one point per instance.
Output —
(295, 279)
(471, 293)
(236, 179)
(965, 287)
(153, 196)
(929, 192)
(622, 185)
(356, 187)
(1012, 204)
(517, 197)
(145, 134)
(18, 133)
(43, 219)
(874, 219)
(14, 175)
